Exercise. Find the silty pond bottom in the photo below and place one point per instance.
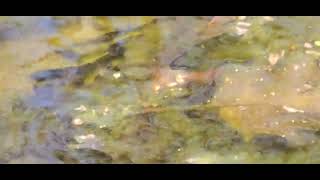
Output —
(194, 89)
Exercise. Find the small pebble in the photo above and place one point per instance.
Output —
(268, 18)
(242, 17)
(117, 75)
(273, 58)
(77, 122)
(307, 45)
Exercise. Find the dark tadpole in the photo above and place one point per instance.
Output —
(208, 115)
(65, 157)
(92, 156)
(193, 114)
(202, 94)
(177, 65)
(83, 156)
(48, 75)
(77, 73)
(116, 50)
(270, 142)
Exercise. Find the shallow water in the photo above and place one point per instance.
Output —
(159, 89)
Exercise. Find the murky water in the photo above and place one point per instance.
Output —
(199, 89)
